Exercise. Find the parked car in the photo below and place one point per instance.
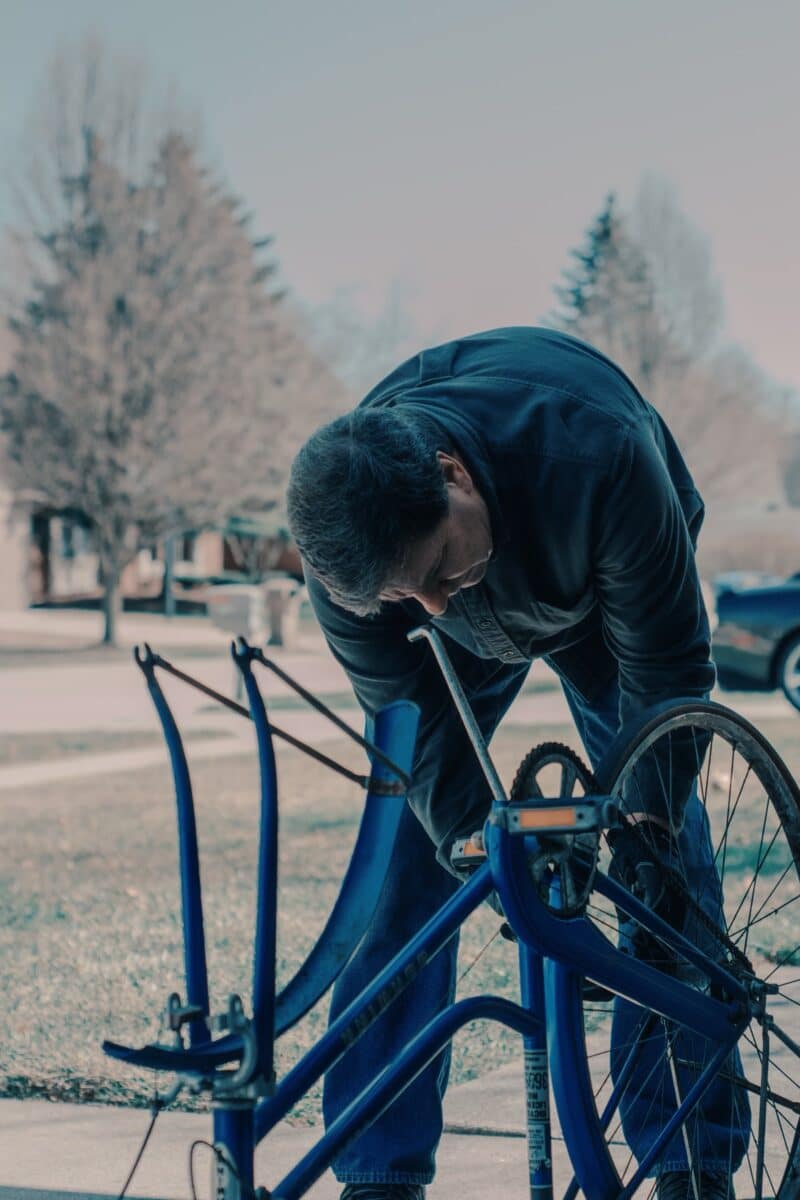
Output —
(738, 581)
(757, 638)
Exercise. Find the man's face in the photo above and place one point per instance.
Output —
(455, 555)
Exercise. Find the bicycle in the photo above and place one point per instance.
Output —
(704, 1007)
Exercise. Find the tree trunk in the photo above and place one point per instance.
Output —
(169, 574)
(112, 605)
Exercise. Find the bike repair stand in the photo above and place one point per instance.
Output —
(237, 1068)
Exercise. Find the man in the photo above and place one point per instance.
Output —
(515, 489)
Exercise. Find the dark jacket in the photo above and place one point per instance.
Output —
(594, 518)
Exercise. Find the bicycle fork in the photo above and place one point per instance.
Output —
(537, 1077)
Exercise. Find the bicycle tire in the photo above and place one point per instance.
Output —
(751, 805)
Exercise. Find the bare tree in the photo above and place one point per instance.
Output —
(643, 290)
(726, 415)
(358, 348)
(88, 85)
(791, 471)
(680, 264)
(150, 380)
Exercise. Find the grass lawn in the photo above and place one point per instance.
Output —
(90, 931)
(90, 934)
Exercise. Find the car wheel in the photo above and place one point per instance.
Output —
(789, 671)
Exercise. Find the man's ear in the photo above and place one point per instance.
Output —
(454, 471)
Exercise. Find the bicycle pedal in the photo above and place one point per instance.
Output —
(468, 853)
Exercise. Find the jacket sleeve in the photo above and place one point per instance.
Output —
(449, 794)
(646, 582)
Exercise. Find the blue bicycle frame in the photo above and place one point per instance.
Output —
(555, 954)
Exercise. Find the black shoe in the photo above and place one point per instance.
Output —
(383, 1191)
(641, 852)
(677, 1185)
(594, 993)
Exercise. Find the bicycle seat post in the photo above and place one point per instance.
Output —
(464, 711)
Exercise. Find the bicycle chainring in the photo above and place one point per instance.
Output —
(568, 858)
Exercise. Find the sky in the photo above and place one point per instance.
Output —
(460, 149)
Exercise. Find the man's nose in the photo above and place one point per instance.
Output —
(434, 600)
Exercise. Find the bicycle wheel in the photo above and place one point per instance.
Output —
(739, 852)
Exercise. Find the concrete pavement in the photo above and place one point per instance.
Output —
(81, 1152)
(112, 696)
(87, 1150)
(85, 628)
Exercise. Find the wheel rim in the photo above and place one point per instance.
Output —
(751, 805)
(790, 676)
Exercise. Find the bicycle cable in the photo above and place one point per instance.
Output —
(155, 1109)
(248, 1192)
(157, 1106)
(363, 781)
(165, 665)
(480, 953)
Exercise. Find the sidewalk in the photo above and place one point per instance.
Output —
(114, 695)
(85, 627)
(87, 1150)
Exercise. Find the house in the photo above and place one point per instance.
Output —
(15, 554)
(59, 566)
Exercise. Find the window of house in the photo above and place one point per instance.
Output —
(67, 538)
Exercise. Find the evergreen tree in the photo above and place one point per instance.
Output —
(580, 279)
(608, 298)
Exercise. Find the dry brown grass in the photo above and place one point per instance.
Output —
(90, 931)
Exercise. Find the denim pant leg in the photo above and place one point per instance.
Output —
(651, 1094)
(400, 1146)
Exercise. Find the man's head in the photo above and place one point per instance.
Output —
(381, 509)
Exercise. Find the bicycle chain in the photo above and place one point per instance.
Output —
(677, 884)
(673, 879)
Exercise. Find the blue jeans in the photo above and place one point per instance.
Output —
(400, 1146)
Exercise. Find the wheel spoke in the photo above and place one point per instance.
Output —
(782, 961)
(745, 929)
(759, 863)
(730, 814)
(747, 803)
(772, 891)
